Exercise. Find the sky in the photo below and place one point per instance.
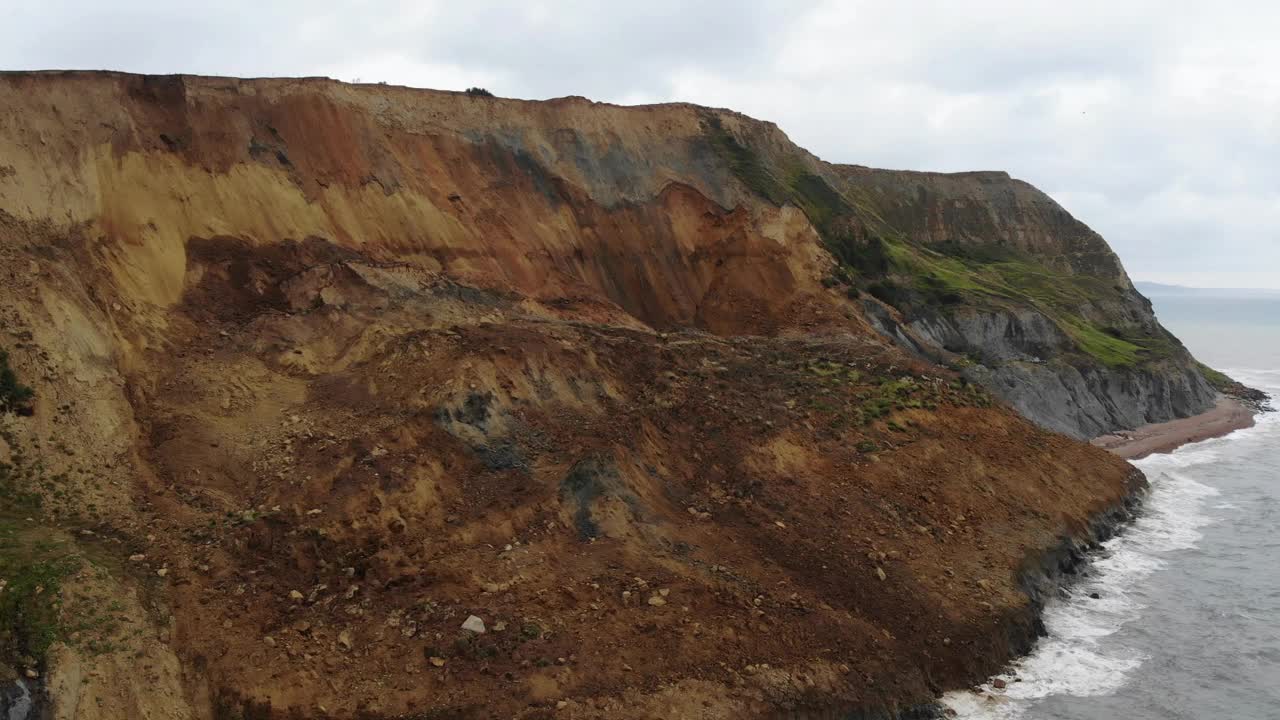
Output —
(1157, 123)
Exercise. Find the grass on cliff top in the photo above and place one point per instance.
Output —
(951, 274)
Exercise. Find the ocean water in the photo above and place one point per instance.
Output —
(1186, 625)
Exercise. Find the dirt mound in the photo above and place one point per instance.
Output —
(336, 377)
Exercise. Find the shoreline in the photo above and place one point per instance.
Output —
(1058, 567)
(1227, 416)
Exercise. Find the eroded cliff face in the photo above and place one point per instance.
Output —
(323, 370)
(996, 279)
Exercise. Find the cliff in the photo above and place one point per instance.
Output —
(996, 277)
(323, 370)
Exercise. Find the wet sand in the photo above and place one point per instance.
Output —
(1227, 416)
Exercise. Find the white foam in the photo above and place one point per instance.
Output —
(1077, 658)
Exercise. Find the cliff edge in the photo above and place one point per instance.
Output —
(365, 401)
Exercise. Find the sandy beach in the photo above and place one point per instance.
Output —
(1227, 416)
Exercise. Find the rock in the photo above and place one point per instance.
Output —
(295, 596)
(139, 557)
(344, 640)
(162, 572)
(1095, 596)
(436, 661)
(880, 573)
(31, 674)
(657, 601)
(269, 641)
(561, 704)
(473, 624)
(999, 684)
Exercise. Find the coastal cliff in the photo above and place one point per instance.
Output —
(330, 377)
(1028, 301)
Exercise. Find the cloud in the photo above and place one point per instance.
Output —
(1158, 123)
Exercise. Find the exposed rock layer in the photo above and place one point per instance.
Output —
(1019, 343)
(337, 367)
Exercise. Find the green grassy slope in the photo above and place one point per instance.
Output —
(874, 257)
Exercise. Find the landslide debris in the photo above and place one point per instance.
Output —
(340, 376)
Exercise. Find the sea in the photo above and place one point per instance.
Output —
(1186, 622)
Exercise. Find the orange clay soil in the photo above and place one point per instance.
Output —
(313, 423)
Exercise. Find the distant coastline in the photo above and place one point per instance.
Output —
(1154, 289)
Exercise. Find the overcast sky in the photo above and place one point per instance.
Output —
(1158, 123)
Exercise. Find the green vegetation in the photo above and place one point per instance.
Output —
(858, 400)
(1220, 381)
(1002, 277)
(1106, 348)
(744, 163)
(478, 92)
(831, 214)
(31, 569)
(871, 256)
(14, 396)
(31, 573)
(35, 560)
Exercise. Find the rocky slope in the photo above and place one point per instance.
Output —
(324, 370)
(1036, 304)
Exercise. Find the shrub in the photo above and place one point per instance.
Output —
(14, 396)
(478, 92)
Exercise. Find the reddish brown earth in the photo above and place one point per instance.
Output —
(323, 370)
